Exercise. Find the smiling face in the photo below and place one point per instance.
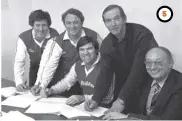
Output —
(41, 28)
(88, 53)
(73, 25)
(157, 64)
(113, 21)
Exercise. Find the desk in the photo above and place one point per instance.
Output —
(6, 83)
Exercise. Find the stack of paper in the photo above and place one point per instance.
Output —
(71, 112)
(53, 100)
(15, 116)
(9, 91)
(38, 107)
(21, 101)
(43, 107)
(96, 112)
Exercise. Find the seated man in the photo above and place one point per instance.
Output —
(161, 95)
(85, 71)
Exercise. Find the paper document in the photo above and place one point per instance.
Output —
(21, 101)
(71, 112)
(38, 107)
(53, 100)
(15, 116)
(9, 91)
(96, 112)
(43, 107)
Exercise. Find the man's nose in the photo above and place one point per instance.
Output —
(153, 66)
(41, 28)
(85, 51)
(113, 23)
(72, 25)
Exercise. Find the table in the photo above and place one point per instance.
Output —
(6, 83)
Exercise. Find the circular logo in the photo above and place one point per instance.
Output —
(164, 14)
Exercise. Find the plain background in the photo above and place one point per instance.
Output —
(14, 20)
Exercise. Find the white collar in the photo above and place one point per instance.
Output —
(66, 37)
(97, 60)
(47, 35)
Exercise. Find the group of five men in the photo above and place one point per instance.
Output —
(127, 72)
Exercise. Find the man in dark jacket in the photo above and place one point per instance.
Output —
(123, 52)
(161, 97)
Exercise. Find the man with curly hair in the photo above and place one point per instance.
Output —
(31, 43)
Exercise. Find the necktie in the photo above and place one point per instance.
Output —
(154, 92)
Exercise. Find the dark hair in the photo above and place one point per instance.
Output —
(39, 15)
(110, 7)
(74, 12)
(85, 40)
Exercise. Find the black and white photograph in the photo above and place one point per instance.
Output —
(91, 60)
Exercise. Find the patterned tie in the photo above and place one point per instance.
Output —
(154, 92)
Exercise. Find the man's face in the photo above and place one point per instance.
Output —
(41, 28)
(73, 24)
(88, 53)
(113, 21)
(157, 64)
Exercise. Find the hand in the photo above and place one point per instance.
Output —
(75, 99)
(35, 90)
(21, 87)
(90, 105)
(44, 93)
(117, 106)
(114, 115)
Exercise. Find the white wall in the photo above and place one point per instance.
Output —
(15, 20)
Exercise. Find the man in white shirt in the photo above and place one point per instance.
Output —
(60, 53)
(84, 71)
(31, 44)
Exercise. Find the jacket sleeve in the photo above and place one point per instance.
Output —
(67, 82)
(104, 79)
(144, 42)
(172, 111)
(49, 62)
(19, 63)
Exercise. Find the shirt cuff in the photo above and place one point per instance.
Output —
(17, 82)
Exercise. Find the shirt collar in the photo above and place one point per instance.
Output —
(161, 83)
(47, 35)
(66, 37)
(97, 60)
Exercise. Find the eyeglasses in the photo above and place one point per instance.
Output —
(156, 63)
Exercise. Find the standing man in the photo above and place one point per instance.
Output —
(60, 53)
(32, 42)
(123, 52)
(161, 97)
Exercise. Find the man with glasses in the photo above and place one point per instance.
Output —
(161, 95)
